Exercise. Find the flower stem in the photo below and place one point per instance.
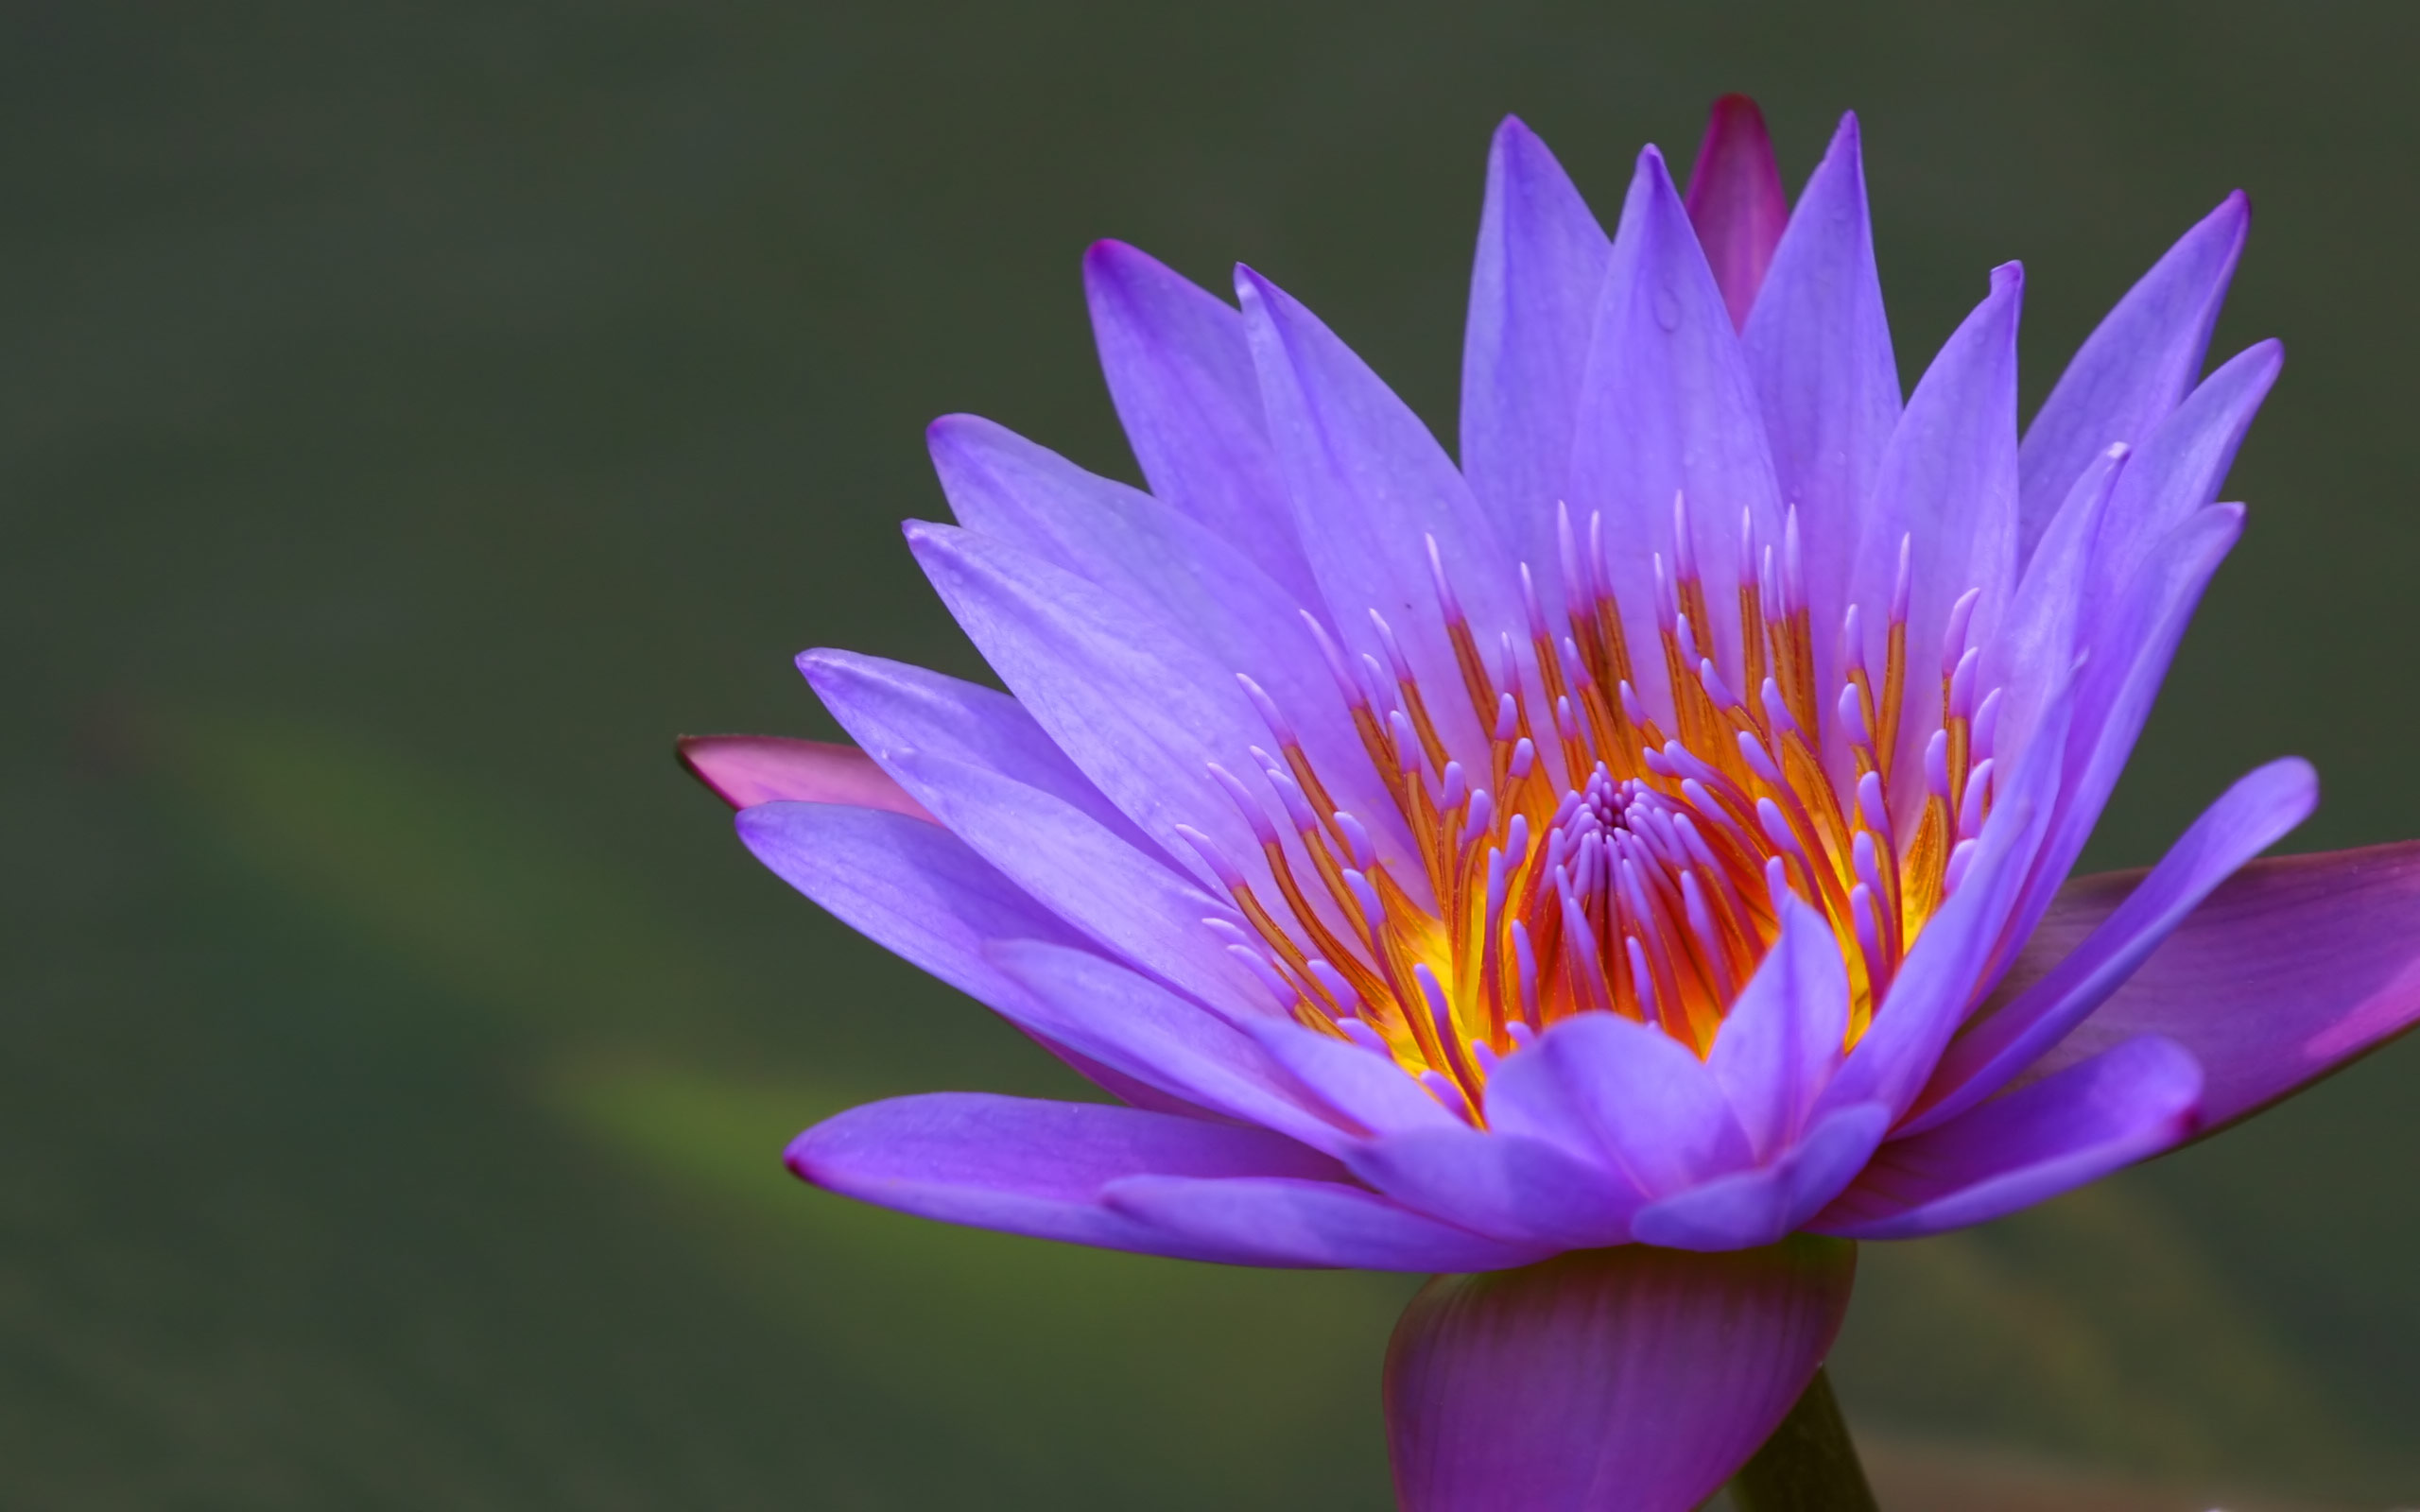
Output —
(1808, 1465)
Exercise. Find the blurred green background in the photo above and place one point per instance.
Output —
(410, 418)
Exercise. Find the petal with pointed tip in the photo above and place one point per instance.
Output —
(1370, 487)
(1736, 201)
(1783, 1038)
(1176, 573)
(890, 707)
(1818, 348)
(2096, 1116)
(1133, 702)
(1025, 1166)
(1628, 1380)
(1625, 1096)
(746, 770)
(1756, 1206)
(2135, 367)
(1179, 371)
(1534, 286)
(1360, 1086)
(1508, 1185)
(1114, 894)
(2178, 471)
(1947, 488)
(1665, 408)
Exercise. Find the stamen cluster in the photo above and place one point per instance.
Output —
(1592, 859)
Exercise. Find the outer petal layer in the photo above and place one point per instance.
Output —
(2292, 968)
(1037, 1168)
(1629, 1379)
(746, 770)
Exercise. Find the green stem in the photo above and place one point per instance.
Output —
(1808, 1465)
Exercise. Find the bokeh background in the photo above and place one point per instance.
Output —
(411, 418)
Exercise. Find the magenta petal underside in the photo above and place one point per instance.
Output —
(746, 770)
(1736, 201)
(2292, 968)
(1630, 1380)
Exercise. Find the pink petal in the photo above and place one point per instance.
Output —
(746, 770)
(2292, 968)
(1630, 1379)
(1736, 201)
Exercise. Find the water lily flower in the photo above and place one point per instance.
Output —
(1643, 838)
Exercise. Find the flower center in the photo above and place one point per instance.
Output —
(1595, 858)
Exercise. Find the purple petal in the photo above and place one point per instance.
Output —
(1113, 893)
(2293, 968)
(2251, 817)
(1105, 1012)
(1947, 488)
(2177, 471)
(1666, 408)
(1138, 707)
(1736, 201)
(1371, 486)
(1361, 1086)
(892, 707)
(1036, 1168)
(1180, 371)
(1534, 287)
(1176, 573)
(1758, 1206)
(2097, 1116)
(2135, 367)
(1628, 1097)
(919, 892)
(2116, 688)
(1783, 1039)
(1629, 1379)
(913, 888)
(1307, 1223)
(746, 770)
(1818, 348)
(1507, 1185)
(2039, 638)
